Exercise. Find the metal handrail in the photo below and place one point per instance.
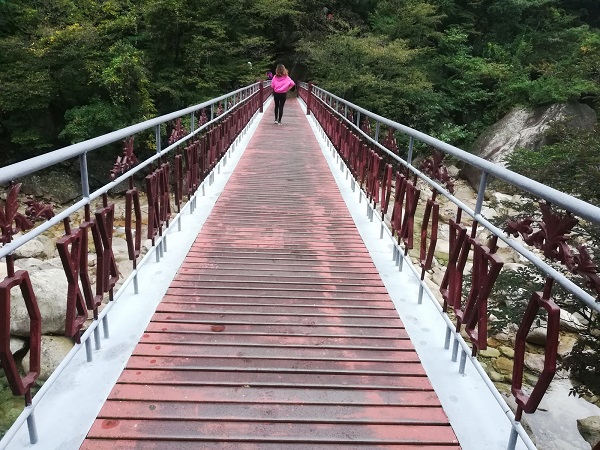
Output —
(568, 202)
(37, 163)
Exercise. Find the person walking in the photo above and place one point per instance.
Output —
(281, 83)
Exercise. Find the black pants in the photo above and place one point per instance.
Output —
(279, 102)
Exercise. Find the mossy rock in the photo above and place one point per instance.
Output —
(10, 408)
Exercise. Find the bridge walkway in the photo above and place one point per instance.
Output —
(277, 330)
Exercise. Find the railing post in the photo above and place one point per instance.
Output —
(308, 99)
(261, 95)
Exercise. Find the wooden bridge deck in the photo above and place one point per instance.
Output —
(277, 331)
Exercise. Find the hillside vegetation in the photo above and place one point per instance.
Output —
(71, 70)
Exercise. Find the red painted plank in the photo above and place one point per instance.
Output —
(120, 409)
(273, 379)
(273, 432)
(112, 444)
(273, 395)
(165, 337)
(269, 330)
(410, 367)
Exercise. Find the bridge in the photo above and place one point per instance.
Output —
(280, 301)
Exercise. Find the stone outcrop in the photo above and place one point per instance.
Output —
(589, 428)
(54, 350)
(525, 128)
(50, 287)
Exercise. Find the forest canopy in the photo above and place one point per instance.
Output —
(71, 70)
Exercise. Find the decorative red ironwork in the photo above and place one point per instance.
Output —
(159, 206)
(539, 300)
(373, 180)
(552, 235)
(203, 118)
(390, 141)
(11, 215)
(180, 175)
(191, 162)
(178, 133)
(133, 214)
(486, 268)
(37, 210)
(434, 168)
(403, 214)
(432, 212)
(552, 239)
(125, 161)
(20, 385)
(92, 301)
(69, 250)
(386, 189)
(451, 285)
(365, 126)
(583, 265)
(107, 273)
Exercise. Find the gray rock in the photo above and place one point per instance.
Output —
(524, 128)
(31, 249)
(537, 336)
(33, 264)
(569, 322)
(534, 362)
(495, 376)
(50, 287)
(589, 428)
(489, 353)
(17, 345)
(507, 351)
(49, 247)
(565, 345)
(60, 186)
(120, 249)
(3, 271)
(54, 350)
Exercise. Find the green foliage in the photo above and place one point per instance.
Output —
(70, 69)
(366, 69)
(571, 164)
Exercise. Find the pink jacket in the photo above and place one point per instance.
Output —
(282, 84)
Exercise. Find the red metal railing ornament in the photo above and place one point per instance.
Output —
(107, 273)
(434, 168)
(539, 300)
(69, 250)
(178, 132)
(551, 237)
(20, 384)
(429, 233)
(12, 222)
(92, 301)
(390, 141)
(203, 119)
(125, 161)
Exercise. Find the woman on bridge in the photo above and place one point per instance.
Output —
(281, 83)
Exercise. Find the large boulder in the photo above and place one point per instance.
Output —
(54, 349)
(50, 288)
(525, 128)
(589, 427)
(60, 185)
